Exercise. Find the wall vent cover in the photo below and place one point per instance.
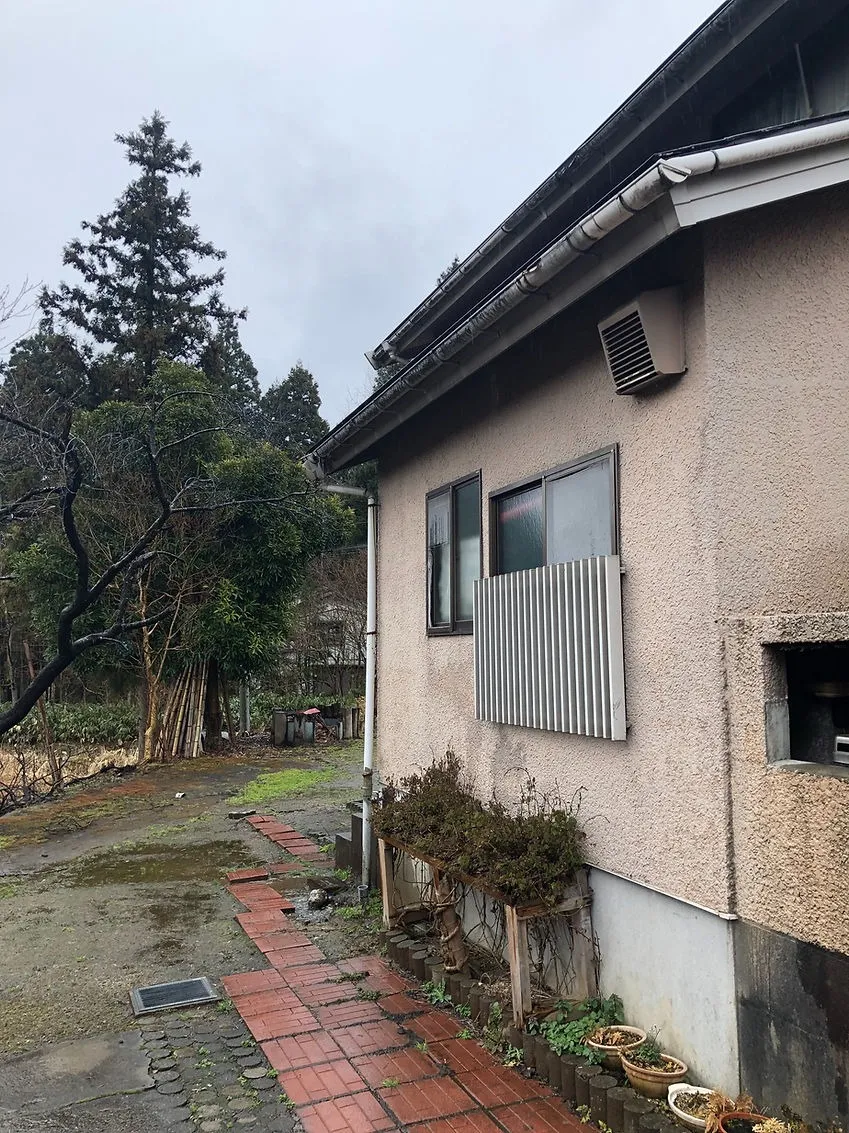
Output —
(162, 997)
(644, 340)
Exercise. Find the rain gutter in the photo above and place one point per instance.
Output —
(667, 176)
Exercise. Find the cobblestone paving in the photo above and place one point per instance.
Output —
(353, 1050)
(210, 1075)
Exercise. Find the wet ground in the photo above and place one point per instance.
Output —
(119, 884)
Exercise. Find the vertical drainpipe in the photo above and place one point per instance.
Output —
(371, 647)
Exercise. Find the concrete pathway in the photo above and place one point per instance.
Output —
(353, 1050)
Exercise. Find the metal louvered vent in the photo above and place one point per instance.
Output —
(644, 341)
(160, 997)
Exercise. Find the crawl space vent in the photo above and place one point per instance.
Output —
(162, 997)
(644, 340)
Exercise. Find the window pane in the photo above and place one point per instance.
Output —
(519, 519)
(578, 513)
(467, 530)
(439, 559)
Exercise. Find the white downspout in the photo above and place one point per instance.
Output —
(313, 470)
(371, 668)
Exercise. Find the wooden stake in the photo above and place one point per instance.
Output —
(387, 886)
(520, 969)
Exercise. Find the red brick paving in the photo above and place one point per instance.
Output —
(474, 1122)
(400, 1004)
(346, 1014)
(369, 1038)
(301, 1050)
(360, 1113)
(463, 1054)
(435, 1025)
(493, 1087)
(434, 1097)
(293, 957)
(403, 1065)
(537, 1117)
(345, 1064)
(318, 1083)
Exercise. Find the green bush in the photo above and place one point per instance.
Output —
(79, 723)
(526, 857)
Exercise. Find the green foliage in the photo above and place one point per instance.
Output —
(143, 291)
(79, 723)
(290, 412)
(466, 1033)
(513, 1056)
(527, 857)
(368, 994)
(464, 1011)
(567, 1036)
(280, 784)
(435, 993)
(390, 1083)
(649, 1053)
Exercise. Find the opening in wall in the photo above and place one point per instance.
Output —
(807, 707)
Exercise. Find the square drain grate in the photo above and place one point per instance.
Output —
(163, 997)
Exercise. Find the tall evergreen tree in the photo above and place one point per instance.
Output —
(145, 291)
(290, 410)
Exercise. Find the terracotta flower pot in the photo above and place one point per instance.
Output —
(735, 1121)
(653, 1083)
(611, 1054)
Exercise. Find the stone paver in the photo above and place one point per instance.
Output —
(352, 1055)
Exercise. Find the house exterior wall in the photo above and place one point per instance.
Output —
(654, 806)
(733, 505)
(777, 335)
(777, 341)
(659, 795)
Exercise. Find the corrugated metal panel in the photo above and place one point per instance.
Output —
(548, 648)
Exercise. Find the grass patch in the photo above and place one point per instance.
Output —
(9, 889)
(279, 784)
(6, 840)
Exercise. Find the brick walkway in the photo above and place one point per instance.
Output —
(353, 1050)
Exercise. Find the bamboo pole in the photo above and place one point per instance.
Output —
(230, 734)
(181, 712)
(201, 699)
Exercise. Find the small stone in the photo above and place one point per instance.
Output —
(148, 1035)
(246, 1119)
(317, 899)
(238, 1104)
(251, 1059)
(240, 813)
(264, 1083)
(206, 1111)
(167, 1076)
(176, 1117)
(163, 1064)
(211, 1126)
(169, 1087)
(255, 1072)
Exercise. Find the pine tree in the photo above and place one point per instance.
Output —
(290, 410)
(144, 293)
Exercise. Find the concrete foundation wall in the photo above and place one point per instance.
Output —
(673, 966)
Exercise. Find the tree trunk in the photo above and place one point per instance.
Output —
(455, 955)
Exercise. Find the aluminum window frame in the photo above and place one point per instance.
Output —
(456, 627)
(561, 471)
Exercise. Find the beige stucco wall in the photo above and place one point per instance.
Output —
(777, 427)
(654, 805)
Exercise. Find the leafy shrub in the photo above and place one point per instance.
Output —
(527, 857)
(79, 723)
(567, 1036)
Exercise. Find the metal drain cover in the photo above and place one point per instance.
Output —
(163, 997)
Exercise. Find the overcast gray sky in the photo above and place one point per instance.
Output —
(349, 148)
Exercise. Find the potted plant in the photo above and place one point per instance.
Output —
(650, 1072)
(689, 1104)
(611, 1042)
(727, 1115)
